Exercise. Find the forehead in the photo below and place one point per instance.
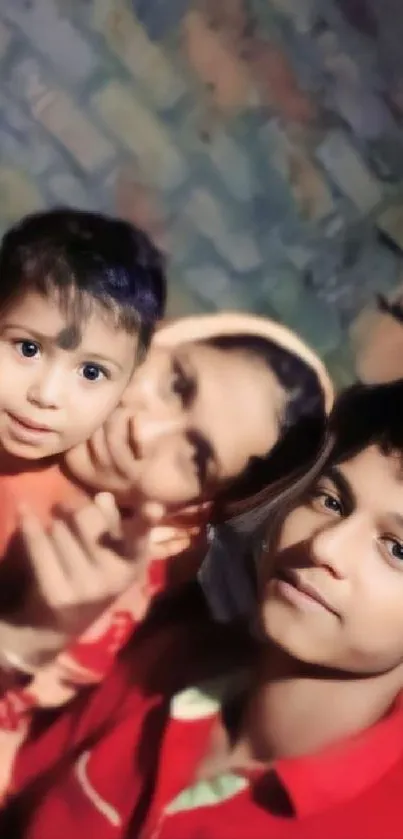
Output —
(376, 479)
(55, 322)
(238, 404)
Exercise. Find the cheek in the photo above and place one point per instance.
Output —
(146, 384)
(374, 629)
(296, 528)
(92, 406)
(13, 368)
(161, 479)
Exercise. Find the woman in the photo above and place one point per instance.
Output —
(222, 395)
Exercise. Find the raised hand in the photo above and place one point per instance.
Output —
(80, 564)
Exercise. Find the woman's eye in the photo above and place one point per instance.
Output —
(181, 384)
(28, 349)
(326, 501)
(94, 372)
(394, 548)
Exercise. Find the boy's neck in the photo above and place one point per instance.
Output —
(295, 711)
(10, 465)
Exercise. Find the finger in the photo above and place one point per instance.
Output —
(108, 507)
(97, 528)
(44, 558)
(165, 533)
(153, 512)
(118, 441)
(98, 450)
(171, 548)
(196, 515)
(76, 560)
(137, 528)
(195, 510)
(89, 524)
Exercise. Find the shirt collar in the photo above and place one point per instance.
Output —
(338, 773)
(313, 782)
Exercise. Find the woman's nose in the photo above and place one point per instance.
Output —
(149, 431)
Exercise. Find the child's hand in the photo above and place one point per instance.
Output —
(84, 560)
(108, 460)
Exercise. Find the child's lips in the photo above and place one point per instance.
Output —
(30, 425)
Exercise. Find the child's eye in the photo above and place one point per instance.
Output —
(94, 372)
(28, 349)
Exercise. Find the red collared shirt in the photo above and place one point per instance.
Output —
(350, 791)
(122, 763)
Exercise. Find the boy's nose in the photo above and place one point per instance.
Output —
(336, 546)
(46, 390)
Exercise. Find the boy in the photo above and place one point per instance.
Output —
(301, 734)
(80, 294)
(79, 298)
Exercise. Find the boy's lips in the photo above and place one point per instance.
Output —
(30, 425)
(290, 579)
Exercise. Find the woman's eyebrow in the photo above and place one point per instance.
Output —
(204, 454)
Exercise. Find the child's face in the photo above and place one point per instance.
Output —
(58, 382)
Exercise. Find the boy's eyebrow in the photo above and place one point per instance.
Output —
(40, 336)
(343, 485)
(67, 338)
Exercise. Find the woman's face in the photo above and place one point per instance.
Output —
(199, 414)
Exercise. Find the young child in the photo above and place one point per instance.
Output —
(201, 730)
(80, 295)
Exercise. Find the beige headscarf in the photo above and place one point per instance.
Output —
(203, 327)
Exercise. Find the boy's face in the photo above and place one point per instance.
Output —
(333, 595)
(58, 383)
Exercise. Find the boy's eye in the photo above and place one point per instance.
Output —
(394, 549)
(94, 372)
(28, 349)
(331, 503)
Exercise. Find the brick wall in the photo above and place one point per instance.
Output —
(261, 142)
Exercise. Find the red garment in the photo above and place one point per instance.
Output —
(123, 762)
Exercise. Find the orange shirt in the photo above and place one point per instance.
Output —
(41, 488)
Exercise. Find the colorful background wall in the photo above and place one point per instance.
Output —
(260, 141)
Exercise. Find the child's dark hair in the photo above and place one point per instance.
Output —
(81, 257)
(367, 415)
(302, 424)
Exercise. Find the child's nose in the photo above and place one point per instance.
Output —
(46, 390)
